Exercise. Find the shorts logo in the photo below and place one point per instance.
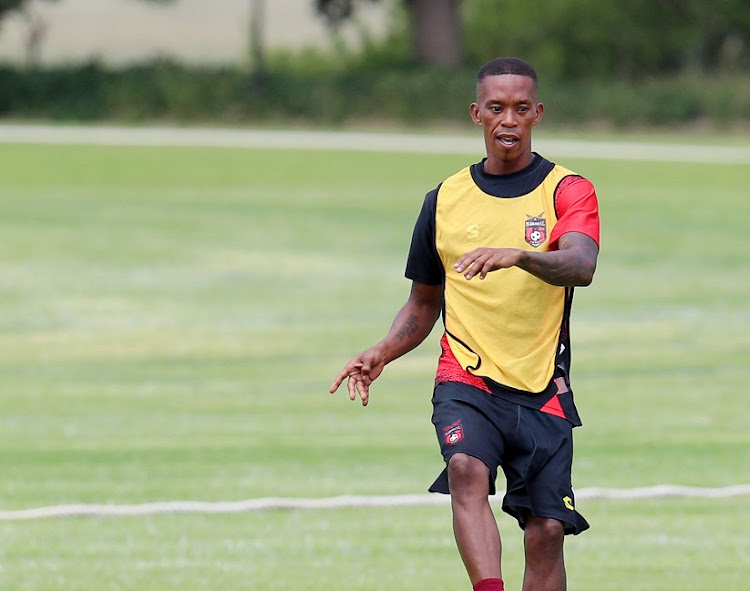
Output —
(453, 433)
(569, 503)
(536, 230)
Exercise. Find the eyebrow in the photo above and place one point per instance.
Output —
(499, 102)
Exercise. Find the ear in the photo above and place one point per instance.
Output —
(476, 117)
(539, 113)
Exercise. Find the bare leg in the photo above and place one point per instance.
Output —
(545, 564)
(474, 524)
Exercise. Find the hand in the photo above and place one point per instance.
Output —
(360, 372)
(481, 261)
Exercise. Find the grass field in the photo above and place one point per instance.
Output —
(172, 318)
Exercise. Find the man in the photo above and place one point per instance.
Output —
(498, 248)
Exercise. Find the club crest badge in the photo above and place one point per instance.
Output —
(453, 433)
(536, 230)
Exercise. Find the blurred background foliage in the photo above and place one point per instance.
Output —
(641, 63)
(630, 41)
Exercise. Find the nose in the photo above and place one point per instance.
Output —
(508, 118)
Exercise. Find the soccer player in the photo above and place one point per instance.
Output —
(497, 249)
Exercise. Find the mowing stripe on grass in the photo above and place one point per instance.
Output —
(269, 503)
(360, 141)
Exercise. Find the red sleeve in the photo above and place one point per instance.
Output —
(577, 209)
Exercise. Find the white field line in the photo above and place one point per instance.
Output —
(360, 141)
(270, 503)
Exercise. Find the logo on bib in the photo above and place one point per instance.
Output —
(536, 230)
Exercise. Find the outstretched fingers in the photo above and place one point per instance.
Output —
(342, 375)
(359, 384)
(357, 381)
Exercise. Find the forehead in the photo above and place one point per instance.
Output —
(507, 88)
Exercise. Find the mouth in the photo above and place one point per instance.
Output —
(507, 140)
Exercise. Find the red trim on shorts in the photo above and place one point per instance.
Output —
(553, 407)
(450, 370)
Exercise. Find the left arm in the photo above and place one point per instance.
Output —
(572, 264)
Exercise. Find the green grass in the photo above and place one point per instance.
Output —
(172, 318)
(642, 545)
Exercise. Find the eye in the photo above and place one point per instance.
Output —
(495, 108)
(523, 109)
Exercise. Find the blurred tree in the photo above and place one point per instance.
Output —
(575, 38)
(435, 26)
(36, 24)
(9, 6)
(720, 32)
(36, 27)
(630, 40)
(437, 32)
(257, 50)
(36, 32)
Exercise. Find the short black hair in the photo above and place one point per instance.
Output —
(507, 65)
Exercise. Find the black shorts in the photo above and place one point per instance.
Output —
(534, 449)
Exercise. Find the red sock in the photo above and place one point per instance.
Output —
(489, 585)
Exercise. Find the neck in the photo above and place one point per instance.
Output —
(499, 165)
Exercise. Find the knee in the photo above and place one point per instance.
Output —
(467, 473)
(543, 534)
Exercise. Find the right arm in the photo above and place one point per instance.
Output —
(412, 325)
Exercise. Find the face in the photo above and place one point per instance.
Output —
(507, 109)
